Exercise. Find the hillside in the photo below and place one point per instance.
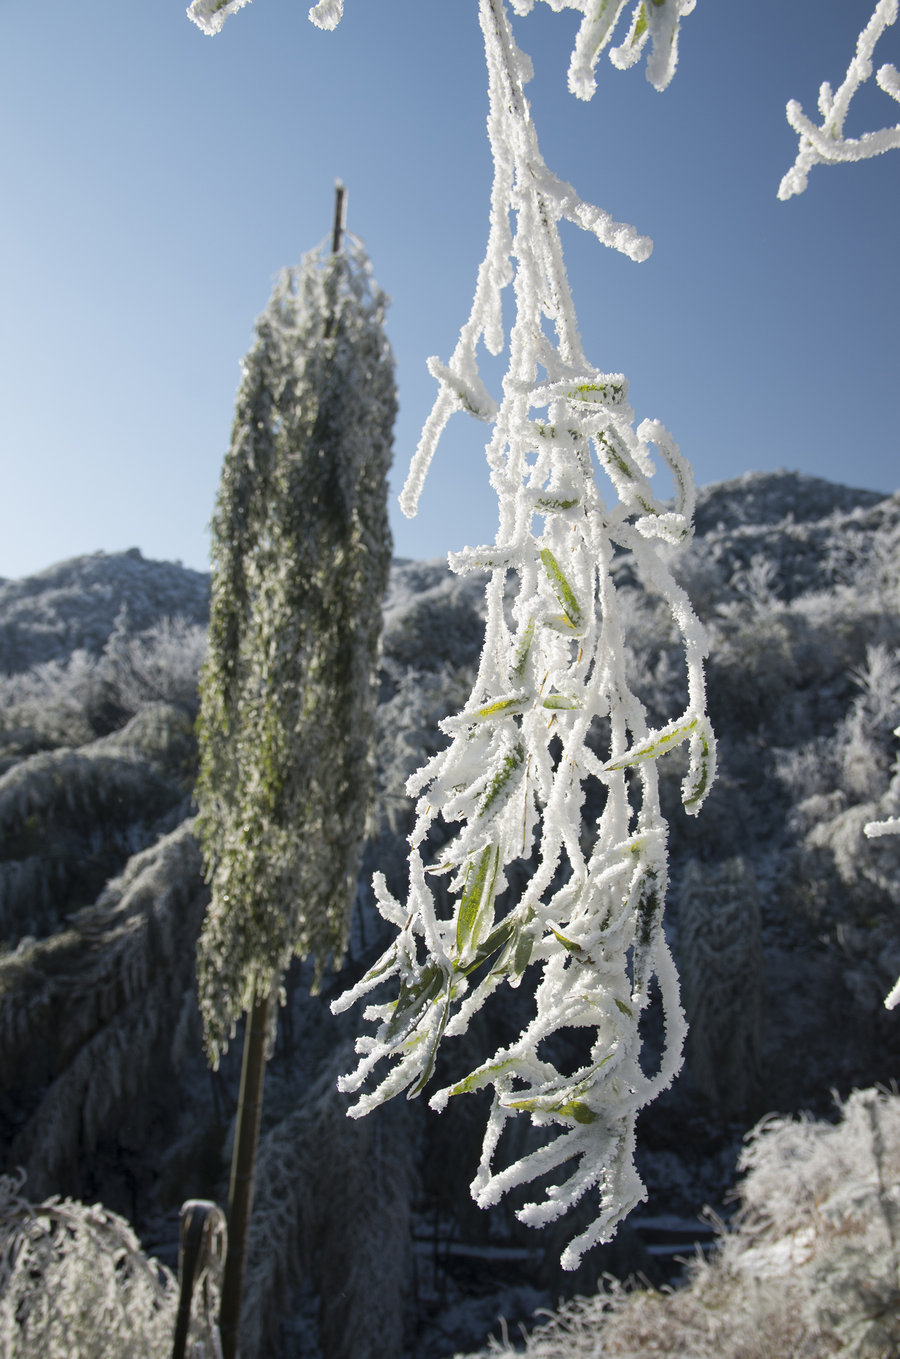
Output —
(782, 917)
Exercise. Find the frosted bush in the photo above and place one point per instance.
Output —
(161, 664)
(827, 145)
(73, 1281)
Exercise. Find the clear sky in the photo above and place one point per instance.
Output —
(155, 180)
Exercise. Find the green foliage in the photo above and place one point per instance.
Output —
(301, 551)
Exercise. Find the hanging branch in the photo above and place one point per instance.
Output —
(551, 722)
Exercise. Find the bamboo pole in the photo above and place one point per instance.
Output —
(243, 1171)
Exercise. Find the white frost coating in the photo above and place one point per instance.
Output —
(657, 21)
(327, 13)
(826, 145)
(210, 15)
(550, 724)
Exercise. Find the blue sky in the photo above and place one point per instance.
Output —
(155, 180)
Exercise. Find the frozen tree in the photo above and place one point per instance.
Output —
(301, 551)
(301, 554)
(827, 145)
(73, 1280)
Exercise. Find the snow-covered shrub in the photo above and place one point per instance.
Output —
(69, 820)
(865, 734)
(89, 1017)
(159, 665)
(720, 961)
(74, 1282)
(809, 1269)
(53, 704)
(70, 702)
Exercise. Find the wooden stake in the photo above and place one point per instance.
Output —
(340, 216)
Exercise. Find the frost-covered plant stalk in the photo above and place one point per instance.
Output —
(827, 145)
(301, 552)
(550, 721)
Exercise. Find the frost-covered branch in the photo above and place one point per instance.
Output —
(551, 725)
(827, 145)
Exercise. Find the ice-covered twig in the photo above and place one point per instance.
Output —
(827, 145)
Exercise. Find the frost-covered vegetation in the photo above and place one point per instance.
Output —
(809, 1268)
(106, 1094)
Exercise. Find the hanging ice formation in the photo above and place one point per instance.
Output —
(528, 747)
(827, 145)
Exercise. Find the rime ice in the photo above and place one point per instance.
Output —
(551, 723)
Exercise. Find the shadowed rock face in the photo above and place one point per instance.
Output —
(799, 584)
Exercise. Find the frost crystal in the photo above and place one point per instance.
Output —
(827, 145)
(551, 725)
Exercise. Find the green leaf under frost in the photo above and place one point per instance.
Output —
(434, 1043)
(700, 774)
(484, 1075)
(655, 745)
(411, 1003)
(501, 707)
(561, 703)
(496, 940)
(523, 649)
(513, 761)
(597, 392)
(561, 588)
(476, 907)
(564, 1101)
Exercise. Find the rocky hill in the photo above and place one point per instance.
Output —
(782, 917)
